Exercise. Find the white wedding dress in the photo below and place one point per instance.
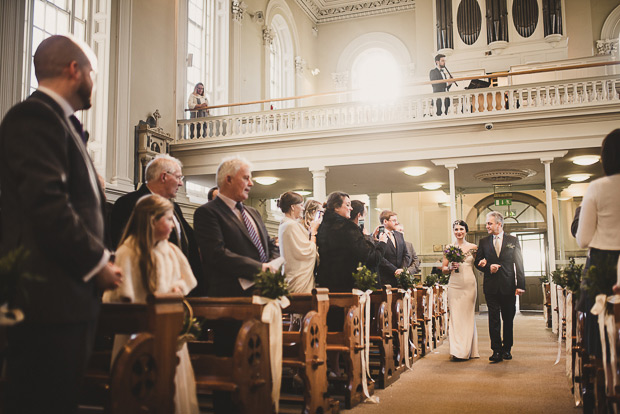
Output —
(462, 292)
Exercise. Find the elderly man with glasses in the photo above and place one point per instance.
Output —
(164, 177)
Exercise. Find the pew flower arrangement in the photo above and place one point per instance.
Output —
(430, 280)
(600, 279)
(443, 279)
(271, 285)
(11, 272)
(569, 277)
(364, 279)
(454, 254)
(406, 280)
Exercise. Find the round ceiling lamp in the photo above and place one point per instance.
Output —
(266, 180)
(302, 192)
(577, 178)
(415, 171)
(586, 159)
(431, 186)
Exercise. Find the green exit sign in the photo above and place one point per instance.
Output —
(503, 202)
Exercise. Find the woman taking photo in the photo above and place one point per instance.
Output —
(342, 246)
(297, 245)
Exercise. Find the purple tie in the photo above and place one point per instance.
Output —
(253, 235)
(78, 127)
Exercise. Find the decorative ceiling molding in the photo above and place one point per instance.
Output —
(325, 11)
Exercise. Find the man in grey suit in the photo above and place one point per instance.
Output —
(52, 206)
(499, 257)
(411, 262)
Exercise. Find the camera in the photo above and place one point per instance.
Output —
(381, 230)
(488, 126)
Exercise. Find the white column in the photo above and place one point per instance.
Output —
(451, 168)
(550, 239)
(11, 51)
(373, 215)
(319, 189)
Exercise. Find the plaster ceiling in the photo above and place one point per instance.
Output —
(388, 177)
(325, 11)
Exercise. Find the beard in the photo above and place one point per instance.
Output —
(84, 92)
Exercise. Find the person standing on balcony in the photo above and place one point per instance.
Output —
(198, 103)
(441, 72)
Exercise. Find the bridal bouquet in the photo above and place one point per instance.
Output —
(454, 254)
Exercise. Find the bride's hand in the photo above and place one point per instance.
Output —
(454, 266)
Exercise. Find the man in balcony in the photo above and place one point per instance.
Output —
(441, 72)
(163, 177)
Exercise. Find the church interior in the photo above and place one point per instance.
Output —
(335, 95)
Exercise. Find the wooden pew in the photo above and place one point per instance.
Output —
(383, 367)
(142, 375)
(398, 330)
(348, 343)
(422, 301)
(305, 351)
(247, 372)
(547, 305)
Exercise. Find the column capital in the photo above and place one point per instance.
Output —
(452, 166)
(547, 160)
(317, 171)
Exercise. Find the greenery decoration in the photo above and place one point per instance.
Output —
(443, 279)
(364, 279)
(601, 278)
(407, 280)
(568, 277)
(430, 280)
(271, 285)
(12, 270)
(192, 326)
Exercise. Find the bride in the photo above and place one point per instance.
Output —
(462, 292)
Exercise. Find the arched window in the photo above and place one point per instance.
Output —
(376, 73)
(281, 63)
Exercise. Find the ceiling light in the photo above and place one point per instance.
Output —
(415, 171)
(303, 192)
(266, 180)
(564, 198)
(586, 159)
(577, 178)
(432, 186)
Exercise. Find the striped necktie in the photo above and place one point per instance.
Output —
(252, 232)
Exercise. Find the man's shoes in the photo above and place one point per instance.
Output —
(496, 357)
(507, 355)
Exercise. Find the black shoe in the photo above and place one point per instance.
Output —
(496, 357)
(506, 355)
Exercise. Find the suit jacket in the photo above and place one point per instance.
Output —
(413, 264)
(511, 261)
(51, 205)
(393, 259)
(435, 74)
(227, 249)
(120, 216)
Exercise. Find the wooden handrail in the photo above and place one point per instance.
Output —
(463, 78)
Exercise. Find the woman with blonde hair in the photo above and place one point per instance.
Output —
(151, 264)
(310, 209)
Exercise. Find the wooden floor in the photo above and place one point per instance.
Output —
(529, 383)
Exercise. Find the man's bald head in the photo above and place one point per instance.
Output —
(56, 53)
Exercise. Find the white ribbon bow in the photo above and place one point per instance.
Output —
(407, 319)
(365, 339)
(272, 315)
(561, 311)
(429, 326)
(606, 322)
(413, 340)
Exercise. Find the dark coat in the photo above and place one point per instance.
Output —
(342, 246)
(52, 205)
(227, 249)
(434, 75)
(511, 261)
(393, 259)
(123, 207)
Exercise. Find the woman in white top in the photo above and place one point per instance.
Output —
(198, 102)
(151, 264)
(297, 245)
(599, 229)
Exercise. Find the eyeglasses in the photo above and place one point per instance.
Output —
(178, 177)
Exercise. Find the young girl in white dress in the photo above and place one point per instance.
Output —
(462, 293)
(151, 264)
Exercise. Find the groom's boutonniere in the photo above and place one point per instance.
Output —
(510, 246)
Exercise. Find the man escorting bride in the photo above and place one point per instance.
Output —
(462, 292)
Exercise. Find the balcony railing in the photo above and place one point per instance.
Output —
(548, 96)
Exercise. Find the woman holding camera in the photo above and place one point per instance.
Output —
(297, 245)
(342, 246)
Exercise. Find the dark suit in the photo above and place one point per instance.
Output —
(52, 205)
(413, 264)
(435, 74)
(499, 288)
(123, 207)
(393, 259)
(227, 249)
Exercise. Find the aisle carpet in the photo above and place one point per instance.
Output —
(529, 383)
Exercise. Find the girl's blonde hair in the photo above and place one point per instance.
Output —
(141, 227)
(310, 209)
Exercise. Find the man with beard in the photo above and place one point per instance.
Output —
(440, 72)
(52, 206)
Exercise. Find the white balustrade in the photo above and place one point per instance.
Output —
(463, 104)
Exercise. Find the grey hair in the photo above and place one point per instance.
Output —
(230, 166)
(158, 165)
(499, 218)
